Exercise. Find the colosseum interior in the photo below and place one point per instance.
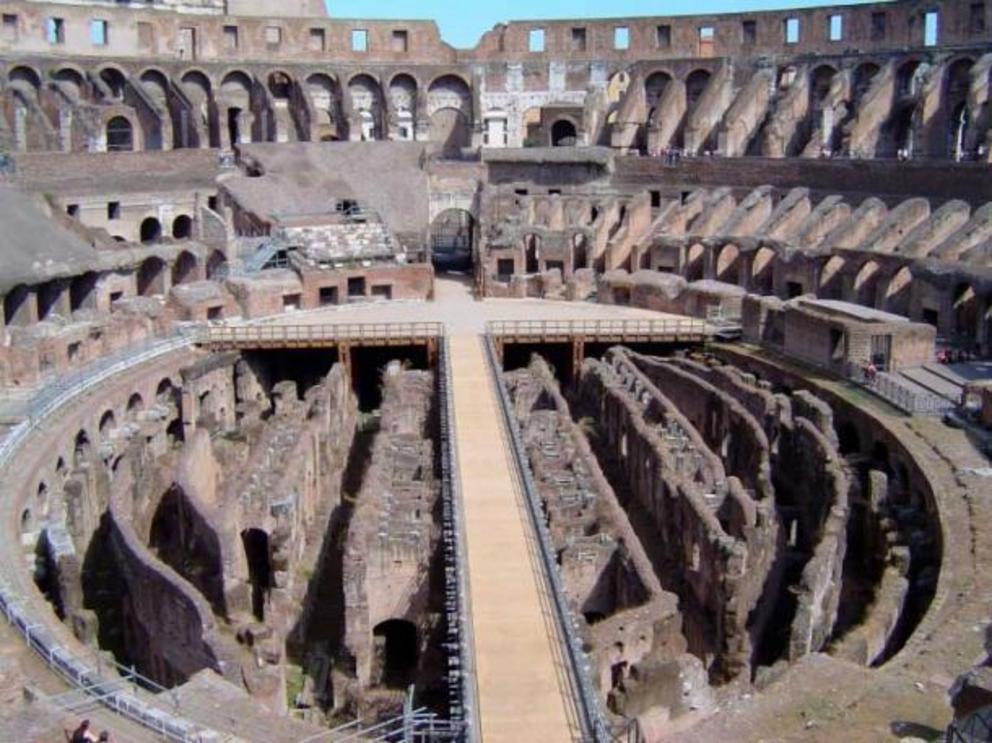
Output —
(621, 379)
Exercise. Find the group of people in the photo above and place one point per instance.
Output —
(953, 356)
(671, 155)
(84, 734)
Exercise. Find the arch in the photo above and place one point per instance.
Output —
(763, 270)
(449, 91)
(107, 424)
(217, 266)
(695, 84)
(366, 100)
(866, 283)
(897, 292)
(185, 541)
(848, 439)
(563, 134)
(151, 230)
(184, 269)
(81, 447)
(324, 94)
(82, 291)
(966, 313)
(197, 86)
(157, 84)
(861, 79)
(280, 85)
(135, 404)
(236, 84)
(151, 277)
(403, 92)
(906, 80)
(727, 262)
(115, 79)
(532, 253)
(903, 125)
(15, 302)
(580, 251)
(820, 82)
(120, 135)
(830, 278)
(256, 546)
(693, 269)
(182, 227)
(71, 80)
(166, 393)
(397, 651)
(453, 240)
(25, 74)
(655, 85)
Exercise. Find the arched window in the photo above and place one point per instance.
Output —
(120, 135)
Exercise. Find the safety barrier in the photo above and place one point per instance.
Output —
(325, 333)
(675, 328)
(594, 725)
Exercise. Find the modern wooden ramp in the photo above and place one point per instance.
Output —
(520, 698)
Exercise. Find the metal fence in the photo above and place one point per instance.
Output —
(246, 335)
(888, 387)
(674, 327)
(594, 725)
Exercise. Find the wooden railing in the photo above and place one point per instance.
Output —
(674, 327)
(330, 333)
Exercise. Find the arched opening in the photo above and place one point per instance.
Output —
(184, 269)
(71, 82)
(848, 439)
(256, 544)
(280, 86)
(120, 135)
(151, 277)
(694, 263)
(903, 127)
(183, 540)
(449, 105)
(452, 240)
(763, 271)
(403, 97)
(820, 83)
(861, 80)
(151, 230)
(15, 306)
(695, 85)
(82, 292)
(831, 279)
(168, 394)
(135, 404)
(234, 125)
(727, 264)
(897, 293)
(366, 101)
(26, 76)
(563, 134)
(324, 95)
(966, 314)
(532, 246)
(866, 284)
(115, 81)
(906, 79)
(81, 448)
(107, 423)
(217, 266)
(182, 227)
(396, 652)
(203, 129)
(580, 252)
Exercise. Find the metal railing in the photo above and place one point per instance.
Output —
(665, 327)
(240, 335)
(888, 387)
(592, 721)
(458, 596)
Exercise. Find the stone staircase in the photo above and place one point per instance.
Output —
(332, 243)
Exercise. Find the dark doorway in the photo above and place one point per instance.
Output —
(256, 544)
(396, 650)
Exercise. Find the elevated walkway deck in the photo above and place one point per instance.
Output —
(521, 695)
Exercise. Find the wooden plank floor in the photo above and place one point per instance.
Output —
(515, 653)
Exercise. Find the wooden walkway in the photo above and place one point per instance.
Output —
(516, 653)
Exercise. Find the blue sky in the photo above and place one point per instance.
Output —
(462, 23)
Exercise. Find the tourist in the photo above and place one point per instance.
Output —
(871, 372)
(82, 734)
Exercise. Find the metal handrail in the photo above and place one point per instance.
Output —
(664, 326)
(887, 387)
(594, 725)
